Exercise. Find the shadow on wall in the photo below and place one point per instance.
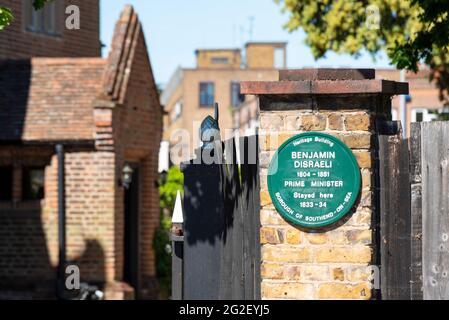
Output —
(91, 263)
(25, 268)
(26, 271)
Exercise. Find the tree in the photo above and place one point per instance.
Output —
(6, 15)
(409, 31)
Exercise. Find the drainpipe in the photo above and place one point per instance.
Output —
(61, 222)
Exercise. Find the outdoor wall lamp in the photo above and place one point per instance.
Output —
(127, 176)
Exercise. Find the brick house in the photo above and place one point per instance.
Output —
(43, 33)
(106, 114)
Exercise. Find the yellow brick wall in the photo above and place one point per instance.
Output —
(261, 55)
(332, 263)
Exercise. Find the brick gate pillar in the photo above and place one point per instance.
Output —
(337, 261)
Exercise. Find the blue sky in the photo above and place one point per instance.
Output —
(175, 28)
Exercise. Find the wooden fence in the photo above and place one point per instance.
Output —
(220, 257)
(414, 207)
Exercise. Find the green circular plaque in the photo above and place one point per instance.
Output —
(313, 179)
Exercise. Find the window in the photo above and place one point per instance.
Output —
(236, 97)
(44, 20)
(207, 94)
(33, 183)
(419, 116)
(279, 58)
(6, 183)
(220, 60)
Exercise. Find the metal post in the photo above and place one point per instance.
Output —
(177, 264)
(177, 238)
(61, 222)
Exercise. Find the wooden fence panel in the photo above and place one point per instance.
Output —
(227, 239)
(250, 209)
(234, 273)
(435, 209)
(416, 212)
(394, 217)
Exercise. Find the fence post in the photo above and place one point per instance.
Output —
(395, 219)
(416, 211)
(435, 209)
(177, 238)
(335, 261)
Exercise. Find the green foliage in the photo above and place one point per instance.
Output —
(163, 259)
(168, 190)
(409, 31)
(344, 26)
(167, 196)
(39, 4)
(6, 15)
(430, 44)
(441, 115)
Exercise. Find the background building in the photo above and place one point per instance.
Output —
(422, 103)
(106, 114)
(190, 94)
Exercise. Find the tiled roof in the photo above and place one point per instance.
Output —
(44, 99)
(54, 99)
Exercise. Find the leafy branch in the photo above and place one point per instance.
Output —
(39, 4)
(411, 32)
(7, 17)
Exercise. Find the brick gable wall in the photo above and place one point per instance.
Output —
(140, 131)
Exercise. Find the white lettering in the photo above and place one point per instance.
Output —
(72, 22)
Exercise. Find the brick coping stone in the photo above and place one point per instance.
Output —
(326, 82)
